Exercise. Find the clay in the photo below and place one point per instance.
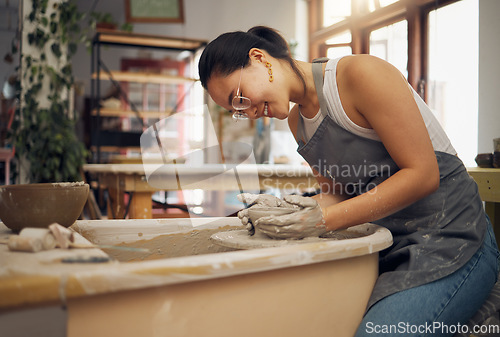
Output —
(64, 237)
(43, 234)
(196, 242)
(25, 244)
(32, 240)
(251, 201)
(240, 239)
(266, 200)
(72, 184)
(293, 217)
(305, 221)
(255, 213)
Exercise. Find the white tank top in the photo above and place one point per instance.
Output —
(440, 140)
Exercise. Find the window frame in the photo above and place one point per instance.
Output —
(362, 22)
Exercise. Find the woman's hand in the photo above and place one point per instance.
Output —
(258, 200)
(306, 221)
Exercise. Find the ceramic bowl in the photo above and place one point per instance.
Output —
(39, 205)
(496, 159)
(255, 213)
(484, 160)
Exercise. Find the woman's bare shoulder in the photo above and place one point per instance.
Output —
(356, 68)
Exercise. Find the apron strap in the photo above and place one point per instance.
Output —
(317, 69)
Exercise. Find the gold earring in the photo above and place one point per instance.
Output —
(270, 71)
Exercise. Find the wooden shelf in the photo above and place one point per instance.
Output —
(106, 112)
(165, 74)
(131, 39)
(107, 148)
(141, 77)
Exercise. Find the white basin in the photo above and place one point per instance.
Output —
(189, 286)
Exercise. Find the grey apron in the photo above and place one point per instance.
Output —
(434, 236)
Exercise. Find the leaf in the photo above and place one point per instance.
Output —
(13, 47)
(31, 38)
(56, 49)
(53, 27)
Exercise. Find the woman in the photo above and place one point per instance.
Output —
(381, 157)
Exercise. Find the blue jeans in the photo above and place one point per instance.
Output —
(438, 308)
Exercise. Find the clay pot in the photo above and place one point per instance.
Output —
(39, 205)
(484, 160)
(496, 159)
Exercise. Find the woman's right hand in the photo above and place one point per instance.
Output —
(258, 200)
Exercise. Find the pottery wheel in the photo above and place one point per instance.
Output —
(240, 239)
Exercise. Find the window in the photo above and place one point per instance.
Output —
(453, 74)
(339, 45)
(335, 11)
(422, 38)
(377, 4)
(391, 44)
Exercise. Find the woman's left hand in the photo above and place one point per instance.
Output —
(306, 221)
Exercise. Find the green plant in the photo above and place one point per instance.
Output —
(107, 18)
(44, 135)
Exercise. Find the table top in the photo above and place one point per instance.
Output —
(488, 182)
(490, 170)
(260, 169)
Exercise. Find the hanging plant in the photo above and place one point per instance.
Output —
(43, 131)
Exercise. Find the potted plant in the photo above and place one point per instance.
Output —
(43, 131)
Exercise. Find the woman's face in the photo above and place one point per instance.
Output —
(266, 97)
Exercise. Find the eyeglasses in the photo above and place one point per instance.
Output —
(240, 103)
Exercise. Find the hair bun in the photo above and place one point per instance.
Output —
(272, 36)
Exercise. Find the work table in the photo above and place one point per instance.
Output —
(141, 181)
(488, 182)
(32, 278)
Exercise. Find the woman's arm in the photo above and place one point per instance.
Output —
(330, 193)
(374, 94)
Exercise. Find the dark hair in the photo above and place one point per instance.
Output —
(229, 52)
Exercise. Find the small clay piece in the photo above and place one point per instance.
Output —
(64, 237)
(25, 244)
(32, 240)
(46, 237)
